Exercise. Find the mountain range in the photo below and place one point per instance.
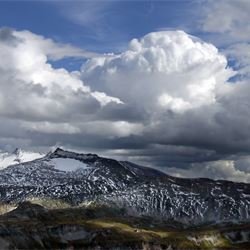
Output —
(77, 178)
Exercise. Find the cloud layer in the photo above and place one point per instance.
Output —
(228, 23)
(166, 101)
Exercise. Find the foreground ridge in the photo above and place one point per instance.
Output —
(97, 226)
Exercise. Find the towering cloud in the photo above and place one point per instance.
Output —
(164, 70)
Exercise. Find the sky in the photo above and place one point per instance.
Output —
(165, 84)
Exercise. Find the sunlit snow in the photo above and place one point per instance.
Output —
(18, 156)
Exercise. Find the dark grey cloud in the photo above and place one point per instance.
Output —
(6, 35)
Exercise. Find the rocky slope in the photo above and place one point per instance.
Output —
(31, 226)
(76, 178)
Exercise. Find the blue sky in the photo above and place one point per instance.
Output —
(103, 26)
(108, 26)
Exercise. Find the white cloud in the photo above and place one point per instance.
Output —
(104, 99)
(168, 68)
(30, 86)
(231, 170)
(228, 17)
(175, 104)
(54, 51)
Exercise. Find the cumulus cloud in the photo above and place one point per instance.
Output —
(30, 86)
(182, 84)
(166, 101)
(164, 70)
(177, 80)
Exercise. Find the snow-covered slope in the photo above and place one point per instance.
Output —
(18, 156)
(77, 178)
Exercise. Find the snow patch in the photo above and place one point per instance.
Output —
(67, 165)
(211, 239)
(18, 156)
(246, 195)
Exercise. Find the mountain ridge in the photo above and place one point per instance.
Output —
(139, 189)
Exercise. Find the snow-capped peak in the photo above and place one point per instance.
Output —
(17, 156)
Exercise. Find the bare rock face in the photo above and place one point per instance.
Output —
(76, 178)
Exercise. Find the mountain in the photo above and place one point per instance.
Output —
(17, 156)
(75, 178)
